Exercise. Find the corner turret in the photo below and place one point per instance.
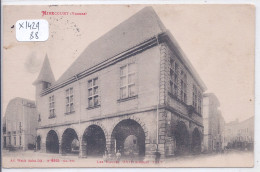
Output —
(45, 78)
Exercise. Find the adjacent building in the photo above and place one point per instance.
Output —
(132, 90)
(20, 123)
(3, 138)
(214, 124)
(240, 135)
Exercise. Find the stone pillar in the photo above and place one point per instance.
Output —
(150, 149)
(83, 149)
(108, 146)
(169, 146)
(24, 142)
(190, 142)
(112, 146)
(60, 148)
(43, 147)
(162, 133)
(202, 141)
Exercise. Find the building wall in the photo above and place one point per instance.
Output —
(222, 131)
(176, 102)
(21, 123)
(246, 130)
(178, 110)
(206, 124)
(143, 109)
(213, 124)
(231, 132)
(109, 92)
(236, 131)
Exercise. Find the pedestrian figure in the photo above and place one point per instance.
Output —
(131, 153)
(157, 156)
(118, 155)
(105, 156)
(109, 156)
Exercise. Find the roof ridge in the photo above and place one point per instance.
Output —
(137, 28)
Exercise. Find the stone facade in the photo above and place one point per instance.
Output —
(20, 124)
(159, 120)
(240, 134)
(214, 124)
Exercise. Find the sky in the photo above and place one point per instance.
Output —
(219, 41)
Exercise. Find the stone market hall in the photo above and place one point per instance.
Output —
(132, 90)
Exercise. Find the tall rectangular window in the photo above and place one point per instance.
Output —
(194, 93)
(20, 140)
(197, 99)
(174, 77)
(51, 107)
(199, 102)
(93, 98)
(39, 118)
(69, 101)
(15, 141)
(183, 87)
(20, 127)
(127, 81)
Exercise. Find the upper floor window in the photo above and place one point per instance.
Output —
(183, 87)
(93, 98)
(197, 99)
(20, 127)
(174, 77)
(199, 102)
(39, 118)
(127, 81)
(51, 106)
(69, 101)
(194, 95)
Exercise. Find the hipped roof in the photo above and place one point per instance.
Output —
(141, 26)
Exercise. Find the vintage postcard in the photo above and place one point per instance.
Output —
(128, 85)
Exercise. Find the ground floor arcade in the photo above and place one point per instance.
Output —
(133, 135)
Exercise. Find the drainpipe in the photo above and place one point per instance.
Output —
(157, 109)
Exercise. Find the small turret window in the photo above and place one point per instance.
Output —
(46, 85)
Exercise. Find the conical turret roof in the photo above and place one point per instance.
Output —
(46, 73)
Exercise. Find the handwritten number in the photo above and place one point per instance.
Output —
(30, 26)
(31, 36)
(33, 28)
(33, 25)
(38, 25)
(36, 35)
